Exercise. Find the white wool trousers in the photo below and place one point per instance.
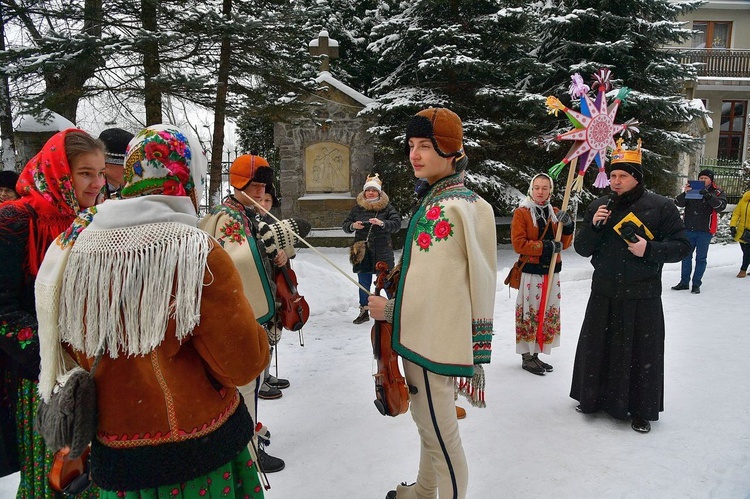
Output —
(443, 471)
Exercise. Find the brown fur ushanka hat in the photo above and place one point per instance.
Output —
(442, 126)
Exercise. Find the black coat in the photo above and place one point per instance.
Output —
(702, 214)
(18, 359)
(378, 238)
(617, 272)
(619, 362)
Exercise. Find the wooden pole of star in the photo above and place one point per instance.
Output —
(553, 261)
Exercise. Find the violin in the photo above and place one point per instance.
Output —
(294, 310)
(391, 393)
(70, 475)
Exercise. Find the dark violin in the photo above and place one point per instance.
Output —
(294, 310)
(391, 394)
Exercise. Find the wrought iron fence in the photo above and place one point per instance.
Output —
(729, 174)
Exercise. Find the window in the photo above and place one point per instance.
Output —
(712, 34)
(732, 130)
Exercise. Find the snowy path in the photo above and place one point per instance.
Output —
(529, 442)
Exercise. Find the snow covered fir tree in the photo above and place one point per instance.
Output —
(492, 61)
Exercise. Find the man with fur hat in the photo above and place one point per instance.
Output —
(701, 220)
(116, 140)
(629, 235)
(255, 247)
(8, 181)
(443, 307)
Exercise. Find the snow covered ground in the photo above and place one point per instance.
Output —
(529, 441)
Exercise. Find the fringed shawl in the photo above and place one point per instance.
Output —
(138, 264)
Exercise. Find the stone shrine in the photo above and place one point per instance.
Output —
(325, 156)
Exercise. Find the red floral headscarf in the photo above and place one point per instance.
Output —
(46, 186)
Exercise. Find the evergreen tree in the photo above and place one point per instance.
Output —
(628, 37)
(474, 57)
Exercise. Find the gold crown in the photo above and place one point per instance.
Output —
(620, 155)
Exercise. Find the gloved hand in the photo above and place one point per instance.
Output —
(733, 231)
(565, 218)
(552, 246)
(706, 195)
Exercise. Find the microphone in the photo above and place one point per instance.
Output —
(627, 231)
(610, 204)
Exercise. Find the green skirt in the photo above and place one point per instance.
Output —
(237, 478)
(34, 457)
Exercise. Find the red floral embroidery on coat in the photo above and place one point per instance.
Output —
(433, 225)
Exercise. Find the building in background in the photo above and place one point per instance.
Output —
(720, 49)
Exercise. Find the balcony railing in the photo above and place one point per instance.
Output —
(718, 63)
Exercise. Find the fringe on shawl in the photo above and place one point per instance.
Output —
(472, 388)
(538, 211)
(133, 280)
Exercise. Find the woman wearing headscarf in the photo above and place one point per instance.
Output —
(533, 232)
(161, 303)
(64, 178)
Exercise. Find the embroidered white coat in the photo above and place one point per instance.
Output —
(442, 318)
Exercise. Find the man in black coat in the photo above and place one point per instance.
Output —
(701, 221)
(619, 363)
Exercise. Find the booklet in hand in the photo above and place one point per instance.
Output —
(696, 187)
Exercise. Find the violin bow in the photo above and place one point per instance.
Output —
(308, 245)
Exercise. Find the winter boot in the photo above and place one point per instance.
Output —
(268, 463)
(742, 273)
(529, 364)
(548, 368)
(680, 287)
(364, 316)
(280, 383)
(268, 392)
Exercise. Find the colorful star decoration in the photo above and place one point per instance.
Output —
(594, 126)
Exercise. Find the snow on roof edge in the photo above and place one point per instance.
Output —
(326, 77)
(30, 123)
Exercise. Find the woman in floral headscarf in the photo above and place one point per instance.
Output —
(532, 233)
(171, 422)
(63, 179)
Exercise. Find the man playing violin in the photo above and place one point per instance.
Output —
(249, 241)
(442, 310)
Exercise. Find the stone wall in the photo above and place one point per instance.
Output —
(335, 122)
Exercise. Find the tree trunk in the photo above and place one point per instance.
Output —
(65, 81)
(215, 173)
(151, 64)
(6, 119)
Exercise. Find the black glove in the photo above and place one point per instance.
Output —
(706, 195)
(565, 218)
(733, 231)
(552, 246)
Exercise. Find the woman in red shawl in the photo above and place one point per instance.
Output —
(63, 179)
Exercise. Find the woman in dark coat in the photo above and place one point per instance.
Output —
(372, 220)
